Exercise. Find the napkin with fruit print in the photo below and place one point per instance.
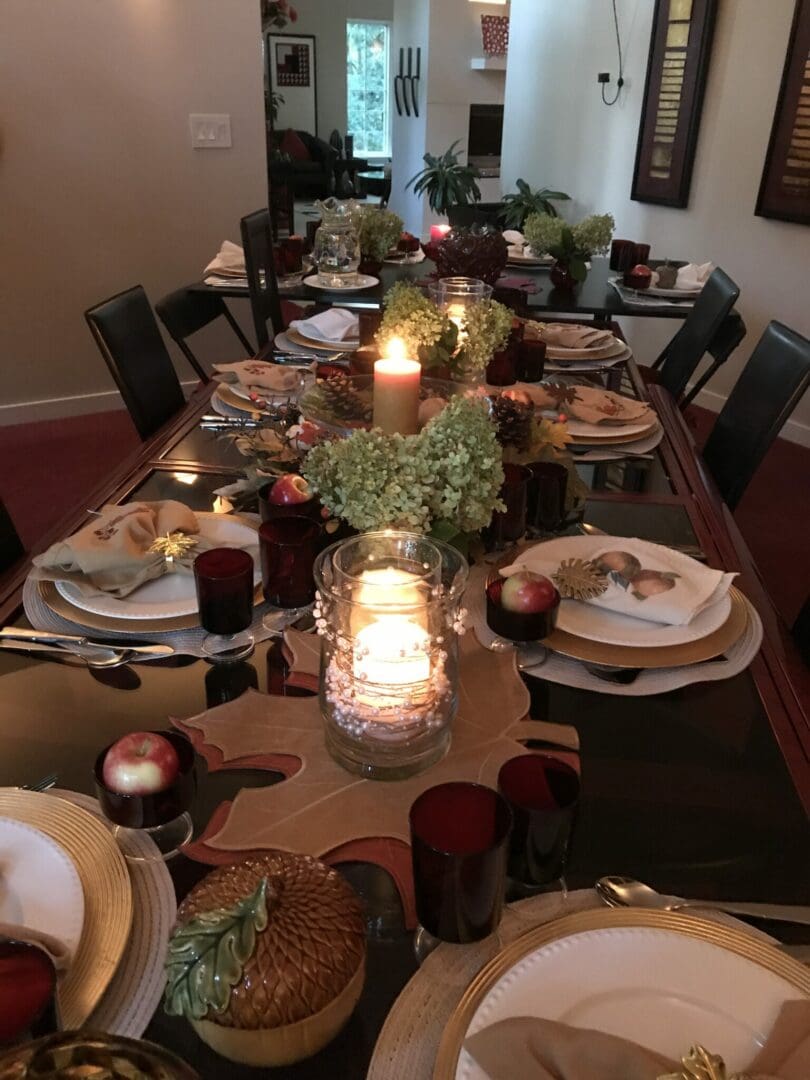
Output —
(647, 581)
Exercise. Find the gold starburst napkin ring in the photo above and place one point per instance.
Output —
(699, 1064)
(174, 545)
(579, 579)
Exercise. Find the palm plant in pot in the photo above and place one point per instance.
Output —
(446, 182)
(519, 204)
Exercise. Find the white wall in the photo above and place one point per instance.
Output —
(558, 133)
(326, 19)
(100, 188)
(453, 29)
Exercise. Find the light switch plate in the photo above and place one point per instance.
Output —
(210, 130)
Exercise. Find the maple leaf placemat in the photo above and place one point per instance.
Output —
(323, 810)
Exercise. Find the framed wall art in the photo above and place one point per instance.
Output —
(785, 189)
(677, 69)
(292, 74)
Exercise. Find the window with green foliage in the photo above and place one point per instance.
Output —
(368, 48)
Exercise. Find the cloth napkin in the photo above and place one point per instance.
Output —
(336, 324)
(535, 1049)
(569, 335)
(56, 949)
(590, 403)
(229, 262)
(526, 284)
(647, 581)
(262, 375)
(514, 238)
(693, 277)
(111, 553)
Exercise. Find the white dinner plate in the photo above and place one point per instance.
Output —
(516, 258)
(39, 885)
(584, 366)
(360, 281)
(582, 429)
(410, 258)
(604, 352)
(597, 623)
(654, 290)
(271, 396)
(173, 594)
(285, 344)
(662, 988)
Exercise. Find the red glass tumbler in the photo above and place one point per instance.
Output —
(531, 361)
(509, 525)
(224, 581)
(543, 793)
(459, 846)
(28, 1006)
(288, 547)
(545, 509)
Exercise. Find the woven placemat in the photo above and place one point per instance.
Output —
(410, 1037)
(136, 989)
(561, 669)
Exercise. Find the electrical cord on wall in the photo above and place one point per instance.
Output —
(620, 81)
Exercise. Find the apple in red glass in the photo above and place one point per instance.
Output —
(528, 593)
(289, 490)
(640, 277)
(140, 764)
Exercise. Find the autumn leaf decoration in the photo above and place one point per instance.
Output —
(207, 956)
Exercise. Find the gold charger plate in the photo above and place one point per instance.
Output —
(322, 346)
(107, 894)
(224, 393)
(612, 436)
(657, 656)
(716, 933)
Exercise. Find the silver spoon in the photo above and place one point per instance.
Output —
(625, 892)
(530, 654)
(100, 658)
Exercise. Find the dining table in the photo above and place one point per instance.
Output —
(595, 297)
(703, 791)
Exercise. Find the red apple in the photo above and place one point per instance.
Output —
(528, 593)
(641, 270)
(140, 764)
(289, 489)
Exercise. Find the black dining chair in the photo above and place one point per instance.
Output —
(11, 547)
(127, 334)
(770, 387)
(725, 342)
(801, 632)
(265, 303)
(186, 311)
(679, 360)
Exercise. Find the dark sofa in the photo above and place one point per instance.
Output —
(316, 176)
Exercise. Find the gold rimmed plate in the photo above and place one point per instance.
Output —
(661, 978)
(324, 346)
(107, 891)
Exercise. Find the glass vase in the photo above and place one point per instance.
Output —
(562, 278)
(388, 609)
(336, 249)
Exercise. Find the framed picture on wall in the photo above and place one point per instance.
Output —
(677, 68)
(785, 189)
(292, 74)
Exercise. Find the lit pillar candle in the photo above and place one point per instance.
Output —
(392, 662)
(396, 391)
(438, 233)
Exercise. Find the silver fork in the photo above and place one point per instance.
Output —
(43, 784)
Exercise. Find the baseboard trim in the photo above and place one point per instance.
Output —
(29, 412)
(794, 430)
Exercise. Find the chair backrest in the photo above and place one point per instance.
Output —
(265, 304)
(474, 214)
(766, 393)
(727, 339)
(682, 355)
(126, 332)
(186, 311)
(11, 547)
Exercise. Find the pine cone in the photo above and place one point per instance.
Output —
(513, 420)
(342, 400)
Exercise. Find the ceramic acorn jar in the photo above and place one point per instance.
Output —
(267, 961)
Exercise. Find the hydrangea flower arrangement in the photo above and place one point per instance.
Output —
(571, 245)
(445, 479)
(487, 325)
(378, 230)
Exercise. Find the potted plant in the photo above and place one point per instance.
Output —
(446, 182)
(519, 204)
(378, 230)
(570, 245)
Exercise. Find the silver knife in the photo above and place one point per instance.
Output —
(42, 637)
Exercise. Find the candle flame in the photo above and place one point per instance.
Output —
(395, 349)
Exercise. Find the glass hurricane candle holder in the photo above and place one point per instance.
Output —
(453, 295)
(388, 609)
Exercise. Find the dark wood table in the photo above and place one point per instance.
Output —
(704, 791)
(595, 297)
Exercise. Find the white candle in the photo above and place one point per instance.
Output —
(392, 662)
(396, 391)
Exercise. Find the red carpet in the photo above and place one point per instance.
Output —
(52, 465)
